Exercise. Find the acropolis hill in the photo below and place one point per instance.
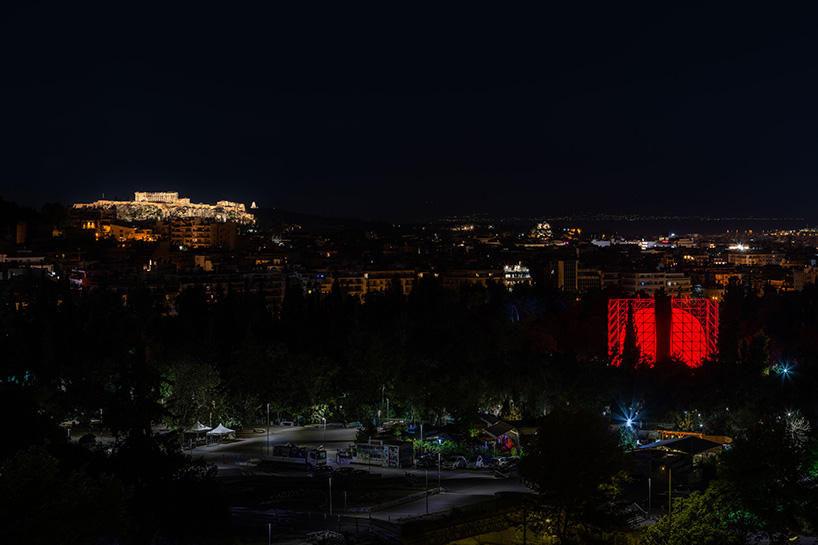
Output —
(165, 205)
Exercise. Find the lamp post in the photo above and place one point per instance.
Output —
(670, 496)
(438, 469)
(330, 496)
(427, 491)
(268, 429)
(669, 509)
(325, 429)
(387, 408)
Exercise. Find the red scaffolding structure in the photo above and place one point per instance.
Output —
(688, 330)
(620, 311)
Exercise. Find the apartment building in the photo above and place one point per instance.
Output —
(673, 283)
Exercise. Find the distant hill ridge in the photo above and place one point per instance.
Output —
(273, 217)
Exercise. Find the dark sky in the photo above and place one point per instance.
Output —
(406, 114)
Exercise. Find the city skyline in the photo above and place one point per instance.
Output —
(660, 111)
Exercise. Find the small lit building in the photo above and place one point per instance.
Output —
(455, 280)
(377, 281)
(754, 259)
(516, 274)
(675, 457)
(570, 275)
(673, 283)
(383, 452)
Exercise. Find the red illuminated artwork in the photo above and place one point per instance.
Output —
(655, 329)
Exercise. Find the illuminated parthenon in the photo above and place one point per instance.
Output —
(164, 205)
(169, 197)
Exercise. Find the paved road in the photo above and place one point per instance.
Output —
(460, 487)
(256, 445)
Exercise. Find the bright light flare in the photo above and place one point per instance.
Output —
(627, 415)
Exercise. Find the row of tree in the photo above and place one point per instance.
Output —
(225, 359)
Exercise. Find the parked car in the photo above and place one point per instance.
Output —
(288, 423)
(321, 471)
(343, 454)
(509, 461)
(497, 461)
(454, 462)
(475, 462)
(346, 471)
(426, 461)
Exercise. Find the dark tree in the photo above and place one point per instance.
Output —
(42, 501)
(577, 468)
(768, 473)
(709, 518)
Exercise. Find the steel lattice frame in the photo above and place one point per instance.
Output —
(644, 322)
(694, 328)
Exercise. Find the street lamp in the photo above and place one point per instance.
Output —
(325, 429)
(669, 496)
(427, 491)
(438, 469)
(268, 429)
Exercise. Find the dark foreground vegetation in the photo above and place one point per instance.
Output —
(437, 356)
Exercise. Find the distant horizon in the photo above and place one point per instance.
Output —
(435, 212)
(628, 224)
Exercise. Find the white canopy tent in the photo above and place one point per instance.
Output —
(196, 429)
(221, 431)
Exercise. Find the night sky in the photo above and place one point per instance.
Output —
(416, 113)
